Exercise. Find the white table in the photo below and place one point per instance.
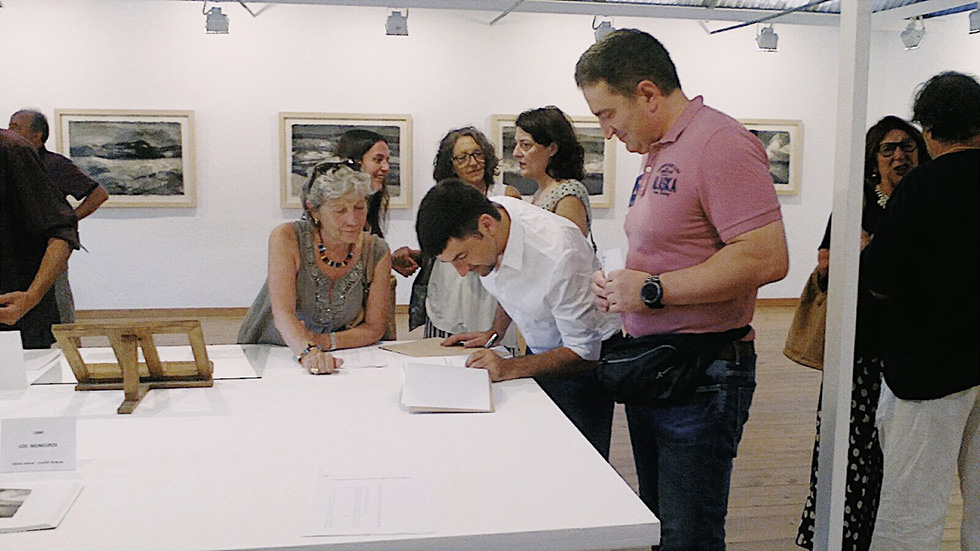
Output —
(232, 467)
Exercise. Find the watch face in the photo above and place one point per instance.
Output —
(651, 293)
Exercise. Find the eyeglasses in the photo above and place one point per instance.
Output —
(888, 149)
(463, 158)
(326, 166)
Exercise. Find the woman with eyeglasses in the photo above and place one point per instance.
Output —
(548, 152)
(443, 301)
(328, 282)
(893, 148)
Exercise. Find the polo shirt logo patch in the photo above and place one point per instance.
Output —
(665, 182)
(636, 188)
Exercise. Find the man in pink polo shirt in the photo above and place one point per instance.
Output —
(705, 232)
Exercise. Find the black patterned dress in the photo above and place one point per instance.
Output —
(864, 459)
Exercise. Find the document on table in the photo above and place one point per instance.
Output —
(35, 360)
(363, 357)
(434, 388)
(35, 505)
(361, 505)
(427, 347)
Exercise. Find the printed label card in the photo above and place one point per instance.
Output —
(37, 444)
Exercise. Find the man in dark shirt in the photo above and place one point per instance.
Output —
(925, 260)
(32, 125)
(38, 231)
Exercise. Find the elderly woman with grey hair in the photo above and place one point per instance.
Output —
(328, 283)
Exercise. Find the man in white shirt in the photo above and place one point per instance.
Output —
(539, 268)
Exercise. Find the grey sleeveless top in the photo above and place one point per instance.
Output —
(323, 305)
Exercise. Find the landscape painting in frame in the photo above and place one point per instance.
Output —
(600, 162)
(142, 158)
(309, 138)
(783, 141)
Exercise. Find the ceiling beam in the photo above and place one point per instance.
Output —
(909, 11)
(578, 8)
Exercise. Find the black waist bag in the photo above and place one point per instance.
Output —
(657, 370)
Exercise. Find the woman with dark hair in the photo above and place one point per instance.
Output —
(548, 152)
(467, 154)
(443, 301)
(328, 281)
(893, 147)
(369, 152)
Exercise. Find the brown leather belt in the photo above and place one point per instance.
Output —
(738, 349)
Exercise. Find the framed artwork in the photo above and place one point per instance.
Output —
(309, 138)
(142, 158)
(783, 140)
(600, 159)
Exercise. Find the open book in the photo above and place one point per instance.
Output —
(35, 505)
(446, 388)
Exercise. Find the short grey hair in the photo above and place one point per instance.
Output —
(334, 182)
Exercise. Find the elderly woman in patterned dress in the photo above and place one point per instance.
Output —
(328, 284)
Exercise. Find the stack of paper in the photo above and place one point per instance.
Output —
(35, 505)
(444, 388)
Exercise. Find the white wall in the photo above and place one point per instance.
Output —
(453, 70)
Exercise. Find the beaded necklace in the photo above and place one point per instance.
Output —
(323, 256)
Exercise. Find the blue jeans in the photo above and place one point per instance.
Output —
(684, 455)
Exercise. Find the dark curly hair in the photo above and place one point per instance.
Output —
(873, 139)
(623, 59)
(549, 125)
(352, 145)
(948, 107)
(442, 165)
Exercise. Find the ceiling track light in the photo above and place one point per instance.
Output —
(975, 21)
(912, 35)
(603, 29)
(397, 24)
(767, 40)
(215, 22)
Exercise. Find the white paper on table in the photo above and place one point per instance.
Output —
(612, 260)
(35, 505)
(37, 444)
(360, 505)
(13, 374)
(445, 388)
(229, 360)
(35, 360)
(363, 357)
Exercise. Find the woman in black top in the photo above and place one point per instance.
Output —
(893, 147)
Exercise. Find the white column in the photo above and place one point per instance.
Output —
(852, 100)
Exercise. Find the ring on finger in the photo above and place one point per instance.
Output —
(315, 370)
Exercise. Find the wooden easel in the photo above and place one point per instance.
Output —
(135, 378)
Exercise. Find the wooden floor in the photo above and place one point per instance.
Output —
(771, 475)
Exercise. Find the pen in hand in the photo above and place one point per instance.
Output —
(492, 340)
